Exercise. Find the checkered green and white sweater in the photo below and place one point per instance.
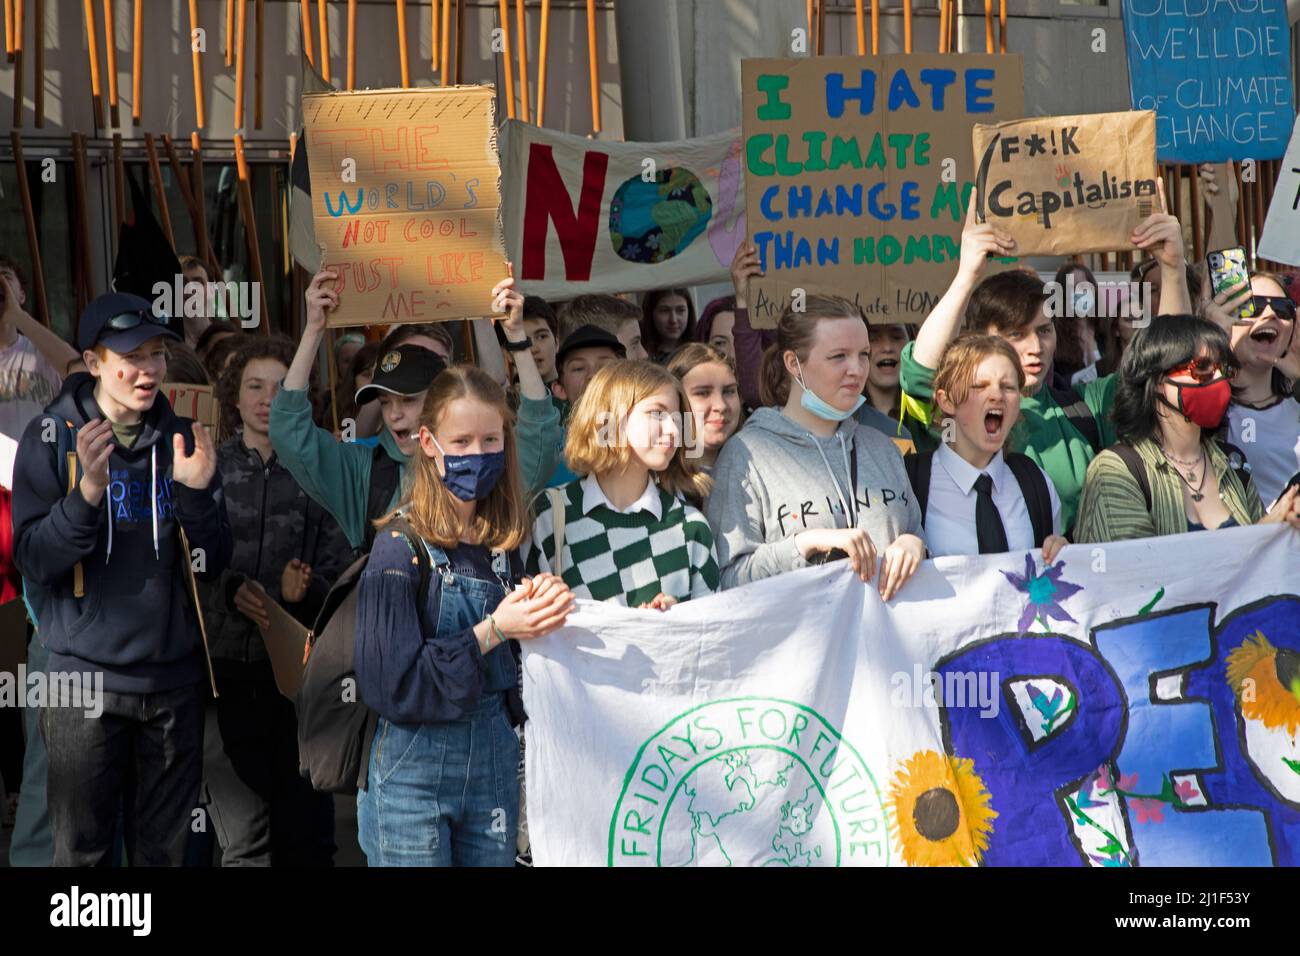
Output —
(626, 558)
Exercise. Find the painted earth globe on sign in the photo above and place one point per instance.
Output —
(650, 222)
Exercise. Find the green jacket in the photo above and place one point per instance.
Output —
(337, 473)
(1044, 434)
(1113, 507)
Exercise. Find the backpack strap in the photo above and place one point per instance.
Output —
(1237, 462)
(918, 468)
(1137, 468)
(1077, 413)
(558, 503)
(1038, 498)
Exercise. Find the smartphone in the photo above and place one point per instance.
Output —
(1228, 269)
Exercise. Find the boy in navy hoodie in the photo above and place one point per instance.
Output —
(106, 482)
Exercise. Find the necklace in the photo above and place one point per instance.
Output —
(1191, 477)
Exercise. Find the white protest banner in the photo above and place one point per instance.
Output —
(1130, 705)
(587, 216)
(1280, 241)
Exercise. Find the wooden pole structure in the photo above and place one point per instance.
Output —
(352, 45)
(875, 27)
(1194, 191)
(1002, 27)
(323, 9)
(137, 64)
(862, 27)
(332, 372)
(821, 26)
(943, 26)
(9, 29)
(230, 32)
(308, 50)
(250, 227)
(86, 281)
(445, 71)
(401, 40)
(200, 204)
(29, 218)
(182, 178)
(542, 42)
(195, 55)
(88, 6)
(119, 186)
(522, 35)
(434, 16)
(259, 20)
(507, 55)
(460, 41)
(988, 26)
(110, 61)
(907, 26)
(241, 29)
(810, 14)
(593, 63)
(18, 62)
(160, 194)
(38, 74)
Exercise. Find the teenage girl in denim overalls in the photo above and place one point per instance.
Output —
(443, 787)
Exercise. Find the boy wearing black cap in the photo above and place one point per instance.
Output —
(116, 501)
(357, 484)
(583, 353)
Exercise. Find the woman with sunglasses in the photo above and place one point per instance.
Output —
(1264, 416)
(1168, 474)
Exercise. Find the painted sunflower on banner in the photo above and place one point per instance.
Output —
(939, 811)
(1265, 680)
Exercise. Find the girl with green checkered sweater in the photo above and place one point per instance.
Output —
(626, 535)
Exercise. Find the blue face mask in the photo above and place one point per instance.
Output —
(816, 406)
(472, 477)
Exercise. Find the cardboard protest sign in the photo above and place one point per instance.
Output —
(1281, 239)
(1217, 74)
(587, 216)
(405, 197)
(857, 170)
(193, 401)
(1066, 184)
(286, 643)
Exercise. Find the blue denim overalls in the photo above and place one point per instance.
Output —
(447, 794)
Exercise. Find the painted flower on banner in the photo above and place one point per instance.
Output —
(650, 222)
(1045, 591)
(939, 811)
(1263, 678)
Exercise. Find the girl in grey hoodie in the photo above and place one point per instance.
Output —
(803, 482)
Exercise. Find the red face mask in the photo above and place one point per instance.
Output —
(1204, 403)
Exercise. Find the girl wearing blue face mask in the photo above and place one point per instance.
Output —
(442, 673)
(803, 482)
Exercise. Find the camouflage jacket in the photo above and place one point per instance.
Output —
(274, 521)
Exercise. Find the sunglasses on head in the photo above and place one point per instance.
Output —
(1202, 369)
(130, 320)
(1282, 307)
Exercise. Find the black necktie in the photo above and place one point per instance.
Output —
(988, 523)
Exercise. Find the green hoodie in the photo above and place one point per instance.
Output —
(337, 473)
(1044, 434)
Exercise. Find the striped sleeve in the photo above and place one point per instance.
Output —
(1111, 506)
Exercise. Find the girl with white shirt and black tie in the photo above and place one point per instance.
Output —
(974, 498)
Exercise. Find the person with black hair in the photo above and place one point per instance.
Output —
(1168, 474)
(667, 320)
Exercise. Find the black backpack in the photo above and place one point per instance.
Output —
(1137, 468)
(1033, 485)
(1076, 410)
(335, 727)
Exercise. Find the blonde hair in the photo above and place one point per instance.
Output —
(961, 359)
(500, 520)
(794, 333)
(609, 397)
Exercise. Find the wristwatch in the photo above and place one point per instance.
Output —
(521, 346)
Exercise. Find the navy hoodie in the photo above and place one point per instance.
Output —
(136, 622)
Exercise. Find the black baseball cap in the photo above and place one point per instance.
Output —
(589, 337)
(405, 370)
(120, 322)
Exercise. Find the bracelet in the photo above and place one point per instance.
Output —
(492, 625)
(521, 346)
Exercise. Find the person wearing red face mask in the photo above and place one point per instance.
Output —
(1168, 474)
